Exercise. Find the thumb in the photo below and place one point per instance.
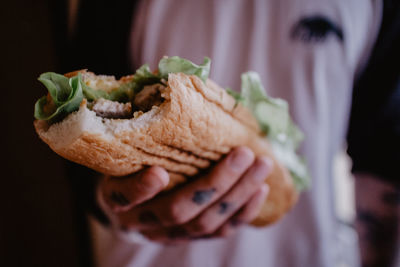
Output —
(123, 193)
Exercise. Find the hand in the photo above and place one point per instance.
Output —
(213, 205)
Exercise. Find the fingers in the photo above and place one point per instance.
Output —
(178, 234)
(214, 216)
(188, 201)
(253, 207)
(123, 193)
(246, 214)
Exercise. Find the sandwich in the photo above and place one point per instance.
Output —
(175, 118)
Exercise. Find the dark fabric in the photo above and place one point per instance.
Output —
(374, 130)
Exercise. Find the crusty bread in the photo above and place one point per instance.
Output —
(196, 124)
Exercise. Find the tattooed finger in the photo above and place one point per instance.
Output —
(122, 193)
(245, 214)
(218, 213)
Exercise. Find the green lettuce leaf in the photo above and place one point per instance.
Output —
(176, 64)
(142, 77)
(57, 85)
(121, 94)
(91, 94)
(66, 94)
(273, 117)
(144, 73)
(237, 96)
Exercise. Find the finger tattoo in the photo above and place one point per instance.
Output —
(203, 196)
(223, 207)
(119, 198)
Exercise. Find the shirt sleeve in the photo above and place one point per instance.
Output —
(374, 130)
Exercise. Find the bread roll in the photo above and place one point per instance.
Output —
(196, 124)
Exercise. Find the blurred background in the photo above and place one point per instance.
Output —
(41, 223)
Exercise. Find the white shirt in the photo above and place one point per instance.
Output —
(307, 52)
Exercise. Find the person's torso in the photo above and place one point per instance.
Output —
(307, 52)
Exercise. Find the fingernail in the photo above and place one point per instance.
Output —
(241, 158)
(162, 175)
(263, 167)
(154, 178)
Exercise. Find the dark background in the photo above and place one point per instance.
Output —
(38, 220)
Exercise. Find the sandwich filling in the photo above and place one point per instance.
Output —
(149, 96)
(143, 90)
(133, 95)
(145, 100)
(111, 109)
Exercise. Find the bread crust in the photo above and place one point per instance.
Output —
(196, 124)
